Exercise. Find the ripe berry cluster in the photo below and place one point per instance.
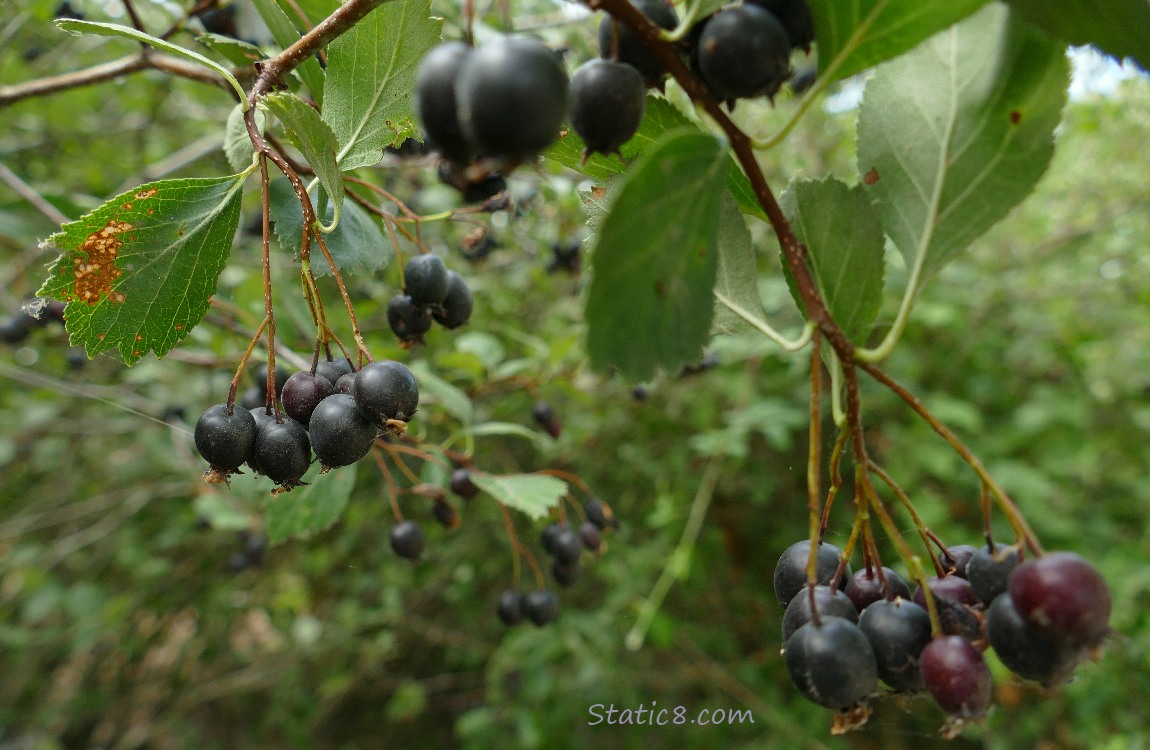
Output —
(430, 293)
(1042, 617)
(335, 412)
(565, 545)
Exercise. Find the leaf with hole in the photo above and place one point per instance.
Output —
(138, 272)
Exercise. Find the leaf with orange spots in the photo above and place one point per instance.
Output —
(138, 272)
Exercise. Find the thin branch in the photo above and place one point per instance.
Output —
(25, 191)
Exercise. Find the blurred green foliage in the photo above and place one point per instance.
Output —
(122, 626)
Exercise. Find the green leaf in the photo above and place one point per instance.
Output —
(286, 34)
(491, 429)
(309, 509)
(371, 77)
(1118, 27)
(853, 35)
(955, 134)
(235, 51)
(533, 494)
(842, 231)
(237, 145)
(737, 276)
(138, 272)
(74, 26)
(312, 136)
(356, 243)
(653, 266)
(659, 118)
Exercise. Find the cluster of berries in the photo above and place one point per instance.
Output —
(1042, 617)
(430, 293)
(565, 545)
(339, 421)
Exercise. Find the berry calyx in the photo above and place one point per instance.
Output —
(224, 436)
(607, 99)
(407, 539)
(386, 390)
(340, 433)
(512, 98)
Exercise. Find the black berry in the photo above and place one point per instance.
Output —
(957, 676)
(408, 322)
(989, 570)
(618, 37)
(302, 393)
(334, 369)
(566, 546)
(607, 100)
(565, 574)
(955, 559)
(225, 439)
(512, 97)
(865, 587)
(832, 663)
(790, 571)
(796, 19)
(591, 535)
(340, 433)
(511, 606)
(600, 513)
(1024, 650)
(898, 631)
(435, 101)
(828, 603)
(462, 485)
(407, 540)
(425, 280)
(541, 607)
(742, 52)
(445, 513)
(546, 418)
(549, 534)
(455, 310)
(282, 451)
(386, 390)
(1063, 597)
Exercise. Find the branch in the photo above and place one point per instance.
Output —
(109, 71)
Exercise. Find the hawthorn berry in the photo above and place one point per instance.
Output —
(385, 390)
(224, 436)
(445, 513)
(898, 631)
(282, 451)
(832, 663)
(511, 607)
(455, 310)
(600, 513)
(425, 279)
(742, 52)
(1024, 650)
(302, 393)
(955, 559)
(989, 570)
(591, 536)
(617, 41)
(407, 320)
(607, 99)
(435, 99)
(566, 546)
(462, 485)
(546, 418)
(565, 574)
(957, 676)
(865, 587)
(334, 369)
(406, 539)
(1063, 597)
(828, 603)
(790, 571)
(541, 607)
(512, 98)
(340, 433)
(795, 17)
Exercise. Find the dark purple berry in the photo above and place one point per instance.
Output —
(989, 571)
(512, 98)
(408, 322)
(957, 676)
(865, 587)
(591, 535)
(445, 513)
(282, 451)
(435, 102)
(952, 588)
(832, 663)
(898, 631)
(345, 384)
(796, 19)
(386, 390)
(260, 377)
(790, 571)
(407, 540)
(567, 546)
(253, 398)
(425, 280)
(541, 607)
(1063, 597)
(607, 100)
(462, 485)
(546, 418)
(631, 49)
(549, 534)
(511, 606)
(955, 559)
(743, 52)
(565, 574)
(334, 369)
(600, 513)
(1024, 650)
(455, 309)
(302, 393)
(225, 438)
(340, 433)
(828, 603)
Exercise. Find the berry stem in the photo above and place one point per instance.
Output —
(392, 490)
(835, 468)
(516, 549)
(255, 339)
(814, 467)
(1009, 508)
(904, 499)
(272, 399)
